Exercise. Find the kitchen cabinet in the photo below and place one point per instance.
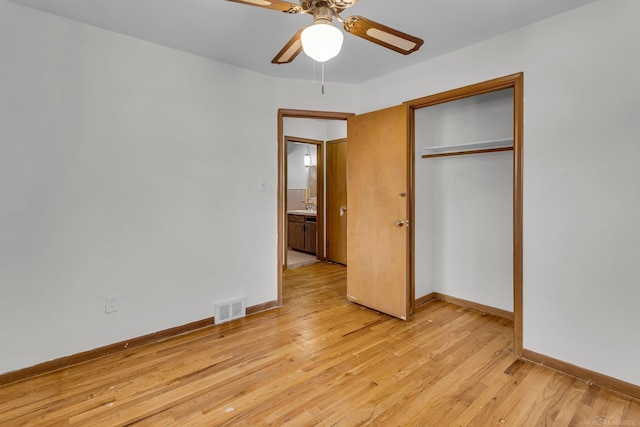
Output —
(301, 232)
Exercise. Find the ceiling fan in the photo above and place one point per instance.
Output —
(321, 40)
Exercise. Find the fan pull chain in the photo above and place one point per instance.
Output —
(314, 72)
(322, 75)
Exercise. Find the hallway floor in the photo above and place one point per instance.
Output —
(298, 259)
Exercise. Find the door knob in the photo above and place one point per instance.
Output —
(399, 223)
(342, 210)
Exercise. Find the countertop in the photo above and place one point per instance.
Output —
(303, 212)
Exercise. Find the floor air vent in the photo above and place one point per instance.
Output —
(229, 310)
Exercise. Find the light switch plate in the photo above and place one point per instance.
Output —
(111, 304)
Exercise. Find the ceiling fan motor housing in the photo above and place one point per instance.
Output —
(322, 15)
(334, 6)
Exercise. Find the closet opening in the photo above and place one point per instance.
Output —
(467, 204)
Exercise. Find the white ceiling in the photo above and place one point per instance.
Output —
(250, 37)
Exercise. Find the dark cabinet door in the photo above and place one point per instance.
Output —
(310, 237)
(295, 233)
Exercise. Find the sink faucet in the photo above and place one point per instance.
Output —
(308, 206)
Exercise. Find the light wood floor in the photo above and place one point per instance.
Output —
(322, 361)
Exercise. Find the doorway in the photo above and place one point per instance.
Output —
(283, 115)
(304, 201)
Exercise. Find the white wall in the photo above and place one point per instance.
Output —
(581, 173)
(336, 129)
(306, 95)
(297, 172)
(304, 128)
(464, 205)
(132, 169)
(307, 129)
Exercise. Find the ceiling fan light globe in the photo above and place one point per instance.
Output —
(321, 42)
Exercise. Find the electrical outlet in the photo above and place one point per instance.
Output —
(111, 304)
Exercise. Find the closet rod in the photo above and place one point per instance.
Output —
(462, 153)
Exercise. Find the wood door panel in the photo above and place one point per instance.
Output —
(377, 175)
(337, 199)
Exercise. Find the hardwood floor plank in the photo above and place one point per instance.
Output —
(320, 361)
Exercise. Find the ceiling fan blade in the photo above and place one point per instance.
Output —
(280, 5)
(289, 52)
(382, 35)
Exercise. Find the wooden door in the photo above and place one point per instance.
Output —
(377, 231)
(337, 201)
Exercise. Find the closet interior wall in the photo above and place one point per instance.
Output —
(464, 204)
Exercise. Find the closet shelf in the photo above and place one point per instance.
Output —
(468, 148)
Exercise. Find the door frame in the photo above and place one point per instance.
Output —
(320, 235)
(515, 81)
(281, 215)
